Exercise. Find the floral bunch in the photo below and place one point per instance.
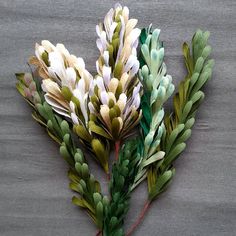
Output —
(122, 107)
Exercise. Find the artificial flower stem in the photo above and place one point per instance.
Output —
(117, 149)
(140, 218)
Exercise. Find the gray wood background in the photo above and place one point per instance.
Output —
(34, 194)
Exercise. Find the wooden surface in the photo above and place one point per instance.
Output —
(34, 195)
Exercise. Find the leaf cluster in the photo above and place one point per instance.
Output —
(123, 175)
(58, 129)
(187, 100)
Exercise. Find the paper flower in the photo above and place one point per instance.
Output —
(65, 80)
(115, 96)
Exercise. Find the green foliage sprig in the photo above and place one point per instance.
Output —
(158, 88)
(188, 98)
(123, 175)
(178, 124)
(58, 129)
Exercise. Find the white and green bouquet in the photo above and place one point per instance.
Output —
(120, 108)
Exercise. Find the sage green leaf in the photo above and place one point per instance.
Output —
(197, 96)
(82, 132)
(186, 110)
(173, 136)
(186, 135)
(98, 130)
(189, 123)
(65, 154)
(174, 154)
(155, 157)
(115, 127)
(65, 127)
(161, 183)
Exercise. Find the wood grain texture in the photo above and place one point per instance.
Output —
(34, 194)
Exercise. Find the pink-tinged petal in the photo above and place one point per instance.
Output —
(91, 88)
(74, 118)
(108, 20)
(134, 46)
(118, 7)
(122, 31)
(136, 90)
(136, 101)
(131, 61)
(104, 97)
(27, 92)
(91, 108)
(99, 45)
(106, 72)
(27, 78)
(134, 69)
(103, 39)
(100, 83)
(98, 30)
